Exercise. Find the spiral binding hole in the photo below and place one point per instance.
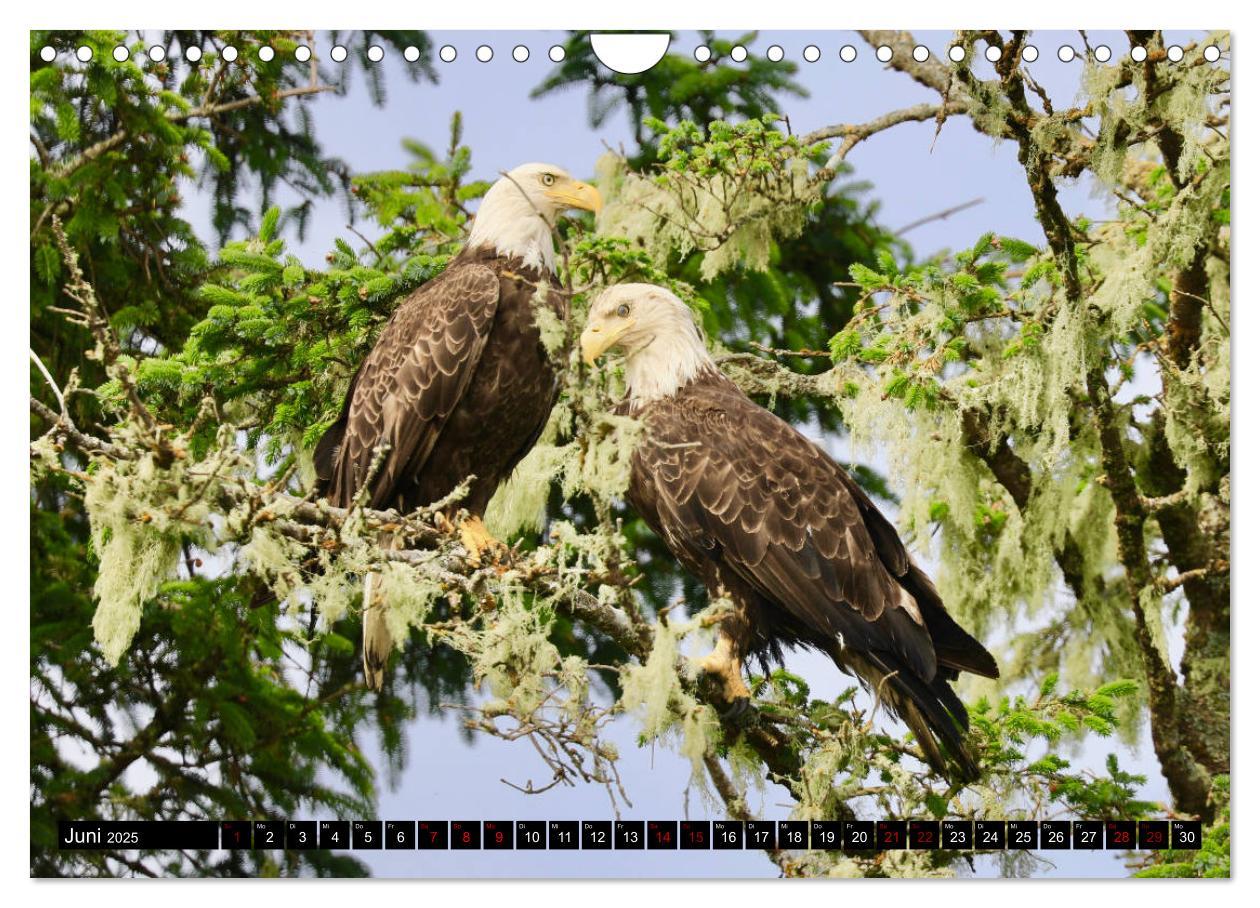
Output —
(811, 53)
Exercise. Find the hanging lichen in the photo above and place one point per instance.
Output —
(654, 694)
(727, 194)
(407, 595)
(140, 513)
(134, 564)
(272, 557)
(520, 504)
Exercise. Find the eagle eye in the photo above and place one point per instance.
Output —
(623, 310)
(548, 179)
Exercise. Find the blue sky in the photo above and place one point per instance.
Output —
(447, 778)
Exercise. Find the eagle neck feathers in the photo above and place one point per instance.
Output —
(665, 365)
(508, 223)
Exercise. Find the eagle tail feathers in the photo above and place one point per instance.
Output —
(377, 640)
(931, 710)
(955, 648)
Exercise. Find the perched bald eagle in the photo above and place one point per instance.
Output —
(760, 513)
(458, 383)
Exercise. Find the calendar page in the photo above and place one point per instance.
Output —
(666, 454)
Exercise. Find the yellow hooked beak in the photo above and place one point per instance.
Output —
(576, 194)
(596, 340)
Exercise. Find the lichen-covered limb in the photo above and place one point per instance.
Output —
(91, 315)
(957, 84)
(1189, 781)
(65, 429)
(564, 734)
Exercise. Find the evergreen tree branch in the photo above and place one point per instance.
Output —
(111, 142)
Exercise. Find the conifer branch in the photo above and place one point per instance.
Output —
(202, 110)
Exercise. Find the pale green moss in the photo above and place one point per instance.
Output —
(274, 557)
(512, 652)
(140, 514)
(133, 565)
(731, 226)
(520, 504)
(407, 595)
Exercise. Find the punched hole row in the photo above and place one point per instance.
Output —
(484, 53)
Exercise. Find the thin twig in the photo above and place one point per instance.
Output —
(940, 215)
(61, 400)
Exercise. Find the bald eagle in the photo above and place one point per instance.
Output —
(458, 383)
(763, 515)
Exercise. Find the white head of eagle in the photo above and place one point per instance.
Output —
(663, 346)
(517, 213)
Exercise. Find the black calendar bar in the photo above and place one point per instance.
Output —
(141, 835)
(633, 835)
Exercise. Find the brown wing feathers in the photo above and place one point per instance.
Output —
(736, 486)
(408, 385)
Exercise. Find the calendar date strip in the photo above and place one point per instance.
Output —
(632, 835)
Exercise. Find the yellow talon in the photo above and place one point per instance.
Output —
(477, 540)
(725, 664)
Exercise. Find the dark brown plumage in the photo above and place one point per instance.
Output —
(458, 384)
(756, 510)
